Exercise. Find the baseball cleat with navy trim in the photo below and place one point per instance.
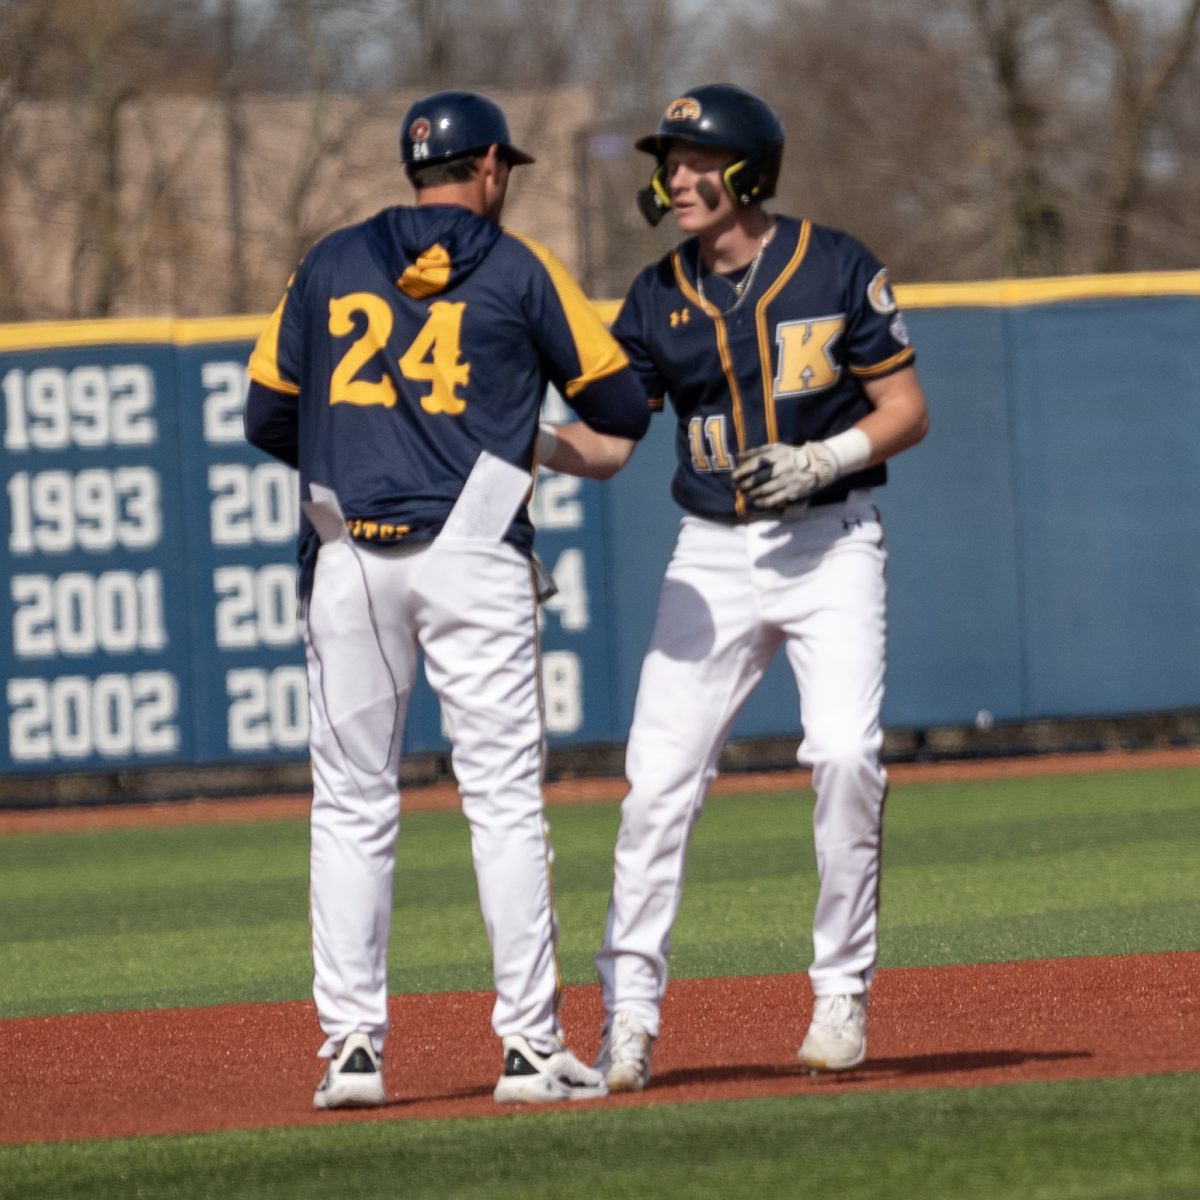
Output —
(354, 1077)
(533, 1078)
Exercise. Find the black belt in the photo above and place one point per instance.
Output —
(780, 514)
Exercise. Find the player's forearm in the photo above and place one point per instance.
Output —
(577, 449)
(899, 418)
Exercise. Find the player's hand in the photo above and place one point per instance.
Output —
(776, 475)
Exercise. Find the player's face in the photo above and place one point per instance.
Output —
(696, 187)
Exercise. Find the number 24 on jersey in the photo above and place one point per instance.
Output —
(433, 357)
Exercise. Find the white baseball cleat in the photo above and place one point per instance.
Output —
(533, 1078)
(624, 1058)
(837, 1037)
(354, 1077)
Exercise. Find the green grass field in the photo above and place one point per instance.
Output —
(985, 871)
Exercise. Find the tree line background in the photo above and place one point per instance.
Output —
(961, 139)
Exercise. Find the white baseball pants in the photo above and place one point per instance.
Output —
(733, 593)
(469, 605)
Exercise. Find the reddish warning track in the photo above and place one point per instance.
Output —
(579, 791)
(251, 1066)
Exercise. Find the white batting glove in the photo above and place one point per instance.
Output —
(776, 475)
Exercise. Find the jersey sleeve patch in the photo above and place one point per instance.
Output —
(879, 294)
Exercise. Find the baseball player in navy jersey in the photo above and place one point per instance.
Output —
(402, 373)
(791, 377)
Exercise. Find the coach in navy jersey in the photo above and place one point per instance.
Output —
(789, 369)
(402, 373)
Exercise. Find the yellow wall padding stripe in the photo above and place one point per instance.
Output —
(47, 335)
(1012, 293)
(607, 309)
(997, 293)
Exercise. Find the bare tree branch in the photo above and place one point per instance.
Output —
(1034, 215)
(1138, 95)
(166, 157)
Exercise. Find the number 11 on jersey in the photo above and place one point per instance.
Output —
(710, 444)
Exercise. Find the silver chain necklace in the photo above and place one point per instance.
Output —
(741, 289)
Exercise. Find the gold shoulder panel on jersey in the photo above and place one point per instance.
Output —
(264, 360)
(600, 355)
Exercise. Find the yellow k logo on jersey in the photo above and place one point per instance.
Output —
(806, 361)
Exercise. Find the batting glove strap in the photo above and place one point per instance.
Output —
(547, 443)
(851, 450)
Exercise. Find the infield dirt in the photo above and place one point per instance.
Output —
(122, 1074)
(127, 1074)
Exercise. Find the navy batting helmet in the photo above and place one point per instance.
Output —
(724, 117)
(449, 125)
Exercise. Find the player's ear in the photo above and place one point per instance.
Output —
(493, 174)
(496, 159)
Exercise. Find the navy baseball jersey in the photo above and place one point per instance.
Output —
(784, 363)
(405, 345)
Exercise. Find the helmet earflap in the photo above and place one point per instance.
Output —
(732, 178)
(654, 201)
(753, 178)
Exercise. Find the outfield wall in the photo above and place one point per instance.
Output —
(1043, 539)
